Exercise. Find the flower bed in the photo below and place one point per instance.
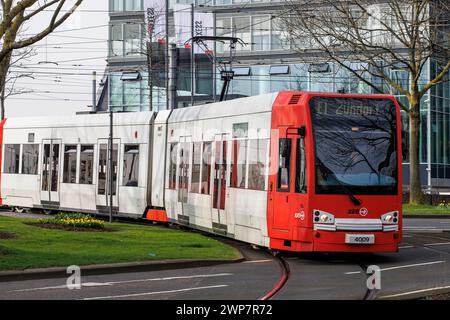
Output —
(72, 221)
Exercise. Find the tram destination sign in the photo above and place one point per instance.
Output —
(349, 107)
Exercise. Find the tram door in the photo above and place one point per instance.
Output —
(288, 189)
(50, 171)
(220, 181)
(184, 152)
(103, 175)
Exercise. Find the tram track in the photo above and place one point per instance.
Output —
(284, 276)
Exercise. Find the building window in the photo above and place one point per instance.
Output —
(257, 164)
(86, 164)
(116, 5)
(133, 5)
(261, 33)
(131, 166)
(239, 163)
(70, 164)
(132, 35)
(116, 41)
(12, 156)
(30, 158)
(125, 5)
(173, 150)
(242, 27)
(196, 167)
(284, 164)
(206, 168)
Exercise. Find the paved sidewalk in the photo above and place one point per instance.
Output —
(25, 215)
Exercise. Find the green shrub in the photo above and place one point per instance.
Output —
(76, 220)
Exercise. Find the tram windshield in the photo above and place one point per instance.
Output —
(355, 145)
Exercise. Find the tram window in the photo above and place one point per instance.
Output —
(173, 165)
(196, 167)
(12, 156)
(86, 164)
(239, 163)
(70, 164)
(131, 166)
(257, 163)
(206, 168)
(30, 158)
(300, 174)
(284, 164)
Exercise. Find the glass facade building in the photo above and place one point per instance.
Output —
(267, 63)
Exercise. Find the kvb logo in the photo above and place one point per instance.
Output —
(363, 212)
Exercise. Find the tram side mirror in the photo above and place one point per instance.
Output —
(302, 131)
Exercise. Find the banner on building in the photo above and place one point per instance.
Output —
(155, 20)
(203, 26)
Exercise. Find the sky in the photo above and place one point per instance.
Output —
(61, 71)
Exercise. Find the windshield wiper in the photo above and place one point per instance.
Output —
(352, 197)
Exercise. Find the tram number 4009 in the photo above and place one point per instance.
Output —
(360, 238)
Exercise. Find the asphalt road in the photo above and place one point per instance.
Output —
(422, 267)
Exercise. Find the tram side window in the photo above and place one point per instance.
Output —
(70, 164)
(257, 164)
(12, 156)
(284, 164)
(238, 163)
(173, 150)
(300, 174)
(206, 168)
(196, 167)
(86, 164)
(30, 156)
(131, 166)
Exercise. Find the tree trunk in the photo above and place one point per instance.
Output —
(4, 68)
(415, 186)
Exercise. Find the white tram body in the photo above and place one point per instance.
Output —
(248, 169)
(61, 163)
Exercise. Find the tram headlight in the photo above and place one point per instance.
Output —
(323, 217)
(390, 217)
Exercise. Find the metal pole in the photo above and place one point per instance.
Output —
(94, 91)
(166, 56)
(150, 74)
(192, 57)
(429, 145)
(214, 60)
(173, 76)
(111, 169)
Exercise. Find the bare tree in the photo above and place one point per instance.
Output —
(17, 13)
(382, 35)
(11, 89)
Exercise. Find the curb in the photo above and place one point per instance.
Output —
(429, 216)
(91, 270)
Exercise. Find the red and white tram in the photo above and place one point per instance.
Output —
(290, 170)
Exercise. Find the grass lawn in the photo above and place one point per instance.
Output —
(34, 247)
(424, 210)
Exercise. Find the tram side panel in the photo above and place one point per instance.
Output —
(66, 141)
(216, 203)
(21, 190)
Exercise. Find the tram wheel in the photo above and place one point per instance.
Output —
(47, 211)
(19, 209)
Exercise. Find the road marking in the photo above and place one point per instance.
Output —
(258, 261)
(406, 247)
(402, 267)
(413, 292)
(437, 244)
(101, 284)
(156, 292)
